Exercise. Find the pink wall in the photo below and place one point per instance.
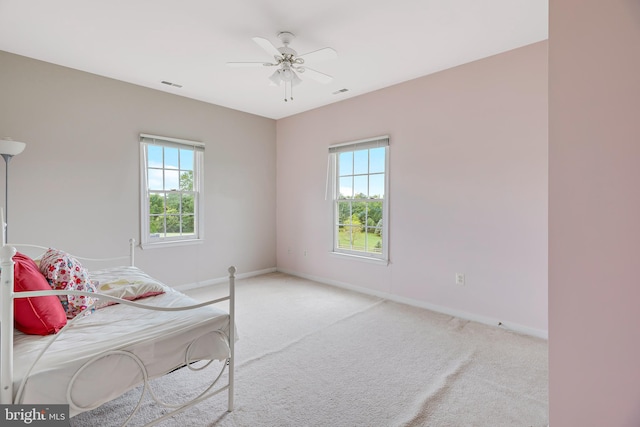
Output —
(468, 170)
(594, 213)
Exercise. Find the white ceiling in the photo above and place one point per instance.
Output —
(188, 42)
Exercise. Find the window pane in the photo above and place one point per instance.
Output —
(357, 239)
(171, 180)
(173, 203)
(340, 239)
(187, 224)
(374, 214)
(376, 186)
(346, 237)
(156, 220)
(375, 228)
(345, 163)
(376, 160)
(154, 156)
(358, 214)
(156, 225)
(361, 161)
(170, 158)
(173, 225)
(187, 204)
(156, 204)
(186, 160)
(360, 185)
(374, 242)
(154, 176)
(344, 212)
(186, 180)
(346, 187)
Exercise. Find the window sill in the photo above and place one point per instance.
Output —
(170, 244)
(370, 260)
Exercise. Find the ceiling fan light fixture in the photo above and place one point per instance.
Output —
(275, 78)
(287, 74)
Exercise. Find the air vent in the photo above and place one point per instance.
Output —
(164, 82)
(340, 91)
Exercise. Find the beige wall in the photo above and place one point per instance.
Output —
(594, 213)
(468, 177)
(76, 185)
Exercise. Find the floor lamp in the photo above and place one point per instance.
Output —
(8, 149)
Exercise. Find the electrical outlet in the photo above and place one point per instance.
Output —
(459, 278)
(305, 252)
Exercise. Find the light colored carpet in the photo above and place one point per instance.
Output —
(314, 355)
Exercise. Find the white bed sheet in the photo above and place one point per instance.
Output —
(159, 339)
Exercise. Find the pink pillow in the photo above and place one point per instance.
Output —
(37, 315)
(64, 272)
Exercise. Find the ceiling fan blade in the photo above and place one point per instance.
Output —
(320, 55)
(267, 46)
(317, 75)
(250, 64)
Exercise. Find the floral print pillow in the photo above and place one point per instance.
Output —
(64, 272)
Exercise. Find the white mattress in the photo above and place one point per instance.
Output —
(159, 339)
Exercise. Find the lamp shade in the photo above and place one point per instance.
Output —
(275, 78)
(10, 147)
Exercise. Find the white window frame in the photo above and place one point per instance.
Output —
(334, 150)
(146, 240)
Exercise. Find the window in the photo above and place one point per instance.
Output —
(360, 208)
(172, 184)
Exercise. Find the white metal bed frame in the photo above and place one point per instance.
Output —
(7, 296)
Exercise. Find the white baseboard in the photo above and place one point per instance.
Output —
(221, 280)
(515, 327)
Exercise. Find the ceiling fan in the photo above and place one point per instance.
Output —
(289, 64)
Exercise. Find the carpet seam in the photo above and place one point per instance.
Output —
(292, 343)
(432, 396)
